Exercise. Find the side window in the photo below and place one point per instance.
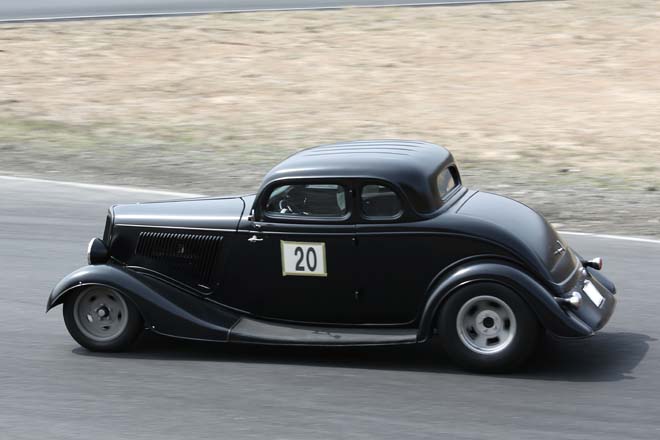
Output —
(446, 182)
(378, 201)
(308, 200)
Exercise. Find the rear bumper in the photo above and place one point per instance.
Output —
(592, 316)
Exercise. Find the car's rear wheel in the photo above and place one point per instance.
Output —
(487, 327)
(101, 319)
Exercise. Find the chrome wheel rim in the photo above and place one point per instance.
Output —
(100, 313)
(486, 324)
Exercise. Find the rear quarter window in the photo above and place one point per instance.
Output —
(446, 182)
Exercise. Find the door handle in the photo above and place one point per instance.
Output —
(255, 239)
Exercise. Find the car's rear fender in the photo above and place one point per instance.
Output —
(549, 313)
(165, 308)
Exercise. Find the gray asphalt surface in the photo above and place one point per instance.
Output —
(605, 387)
(48, 9)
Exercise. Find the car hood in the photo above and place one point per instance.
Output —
(201, 213)
(521, 229)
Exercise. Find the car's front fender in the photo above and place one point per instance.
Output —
(551, 315)
(85, 276)
(165, 309)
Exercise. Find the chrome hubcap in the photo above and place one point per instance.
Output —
(486, 324)
(100, 313)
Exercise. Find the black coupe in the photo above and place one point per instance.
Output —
(357, 243)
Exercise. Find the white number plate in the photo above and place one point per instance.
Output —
(303, 259)
(593, 294)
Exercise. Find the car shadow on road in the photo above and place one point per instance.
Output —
(605, 357)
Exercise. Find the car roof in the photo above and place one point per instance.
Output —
(412, 166)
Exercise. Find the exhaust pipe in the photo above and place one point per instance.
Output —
(574, 300)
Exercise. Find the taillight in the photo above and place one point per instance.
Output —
(596, 263)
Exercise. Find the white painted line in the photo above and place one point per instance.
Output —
(189, 195)
(102, 187)
(237, 11)
(612, 237)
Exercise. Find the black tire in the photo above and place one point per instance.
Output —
(467, 348)
(124, 335)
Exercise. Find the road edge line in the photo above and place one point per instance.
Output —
(138, 15)
(611, 237)
(102, 187)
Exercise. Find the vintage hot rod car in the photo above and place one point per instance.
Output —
(357, 243)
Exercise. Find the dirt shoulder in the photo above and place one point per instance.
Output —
(556, 104)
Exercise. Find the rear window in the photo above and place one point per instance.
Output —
(446, 182)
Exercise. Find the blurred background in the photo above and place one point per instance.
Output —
(554, 103)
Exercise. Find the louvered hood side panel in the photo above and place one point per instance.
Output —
(191, 258)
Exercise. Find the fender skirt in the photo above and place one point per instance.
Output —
(553, 317)
(165, 308)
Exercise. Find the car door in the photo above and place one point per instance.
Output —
(395, 259)
(298, 255)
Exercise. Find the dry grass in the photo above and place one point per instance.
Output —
(530, 89)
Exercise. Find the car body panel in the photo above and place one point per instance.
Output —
(321, 299)
(555, 319)
(524, 230)
(204, 268)
(263, 332)
(409, 166)
(188, 239)
(398, 266)
(166, 307)
(213, 213)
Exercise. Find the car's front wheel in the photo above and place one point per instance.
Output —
(101, 319)
(487, 327)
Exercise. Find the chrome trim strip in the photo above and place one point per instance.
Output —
(89, 251)
(175, 227)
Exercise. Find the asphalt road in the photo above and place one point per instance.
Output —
(58, 9)
(605, 387)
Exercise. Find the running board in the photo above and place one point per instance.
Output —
(259, 332)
